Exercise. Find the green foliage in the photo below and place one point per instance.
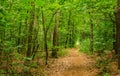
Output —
(102, 11)
(18, 56)
(106, 74)
(2, 73)
(103, 63)
(39, 3)
(16, 16)
(26, 68)
(34, 65)
(85, 45)
(63, 52)
(103, 39)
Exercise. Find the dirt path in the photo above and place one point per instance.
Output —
(75, 64)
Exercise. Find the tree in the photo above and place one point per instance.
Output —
(117, 17)
(91, 33)
(55, 35)
(45, 37)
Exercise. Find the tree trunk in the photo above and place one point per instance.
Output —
(91, 34)
(55, 36)
(45, 37)
(114, 37)
(2, 45)
(35, 36)
(30, 39)
(67, 41)
(117, 17)
(30, 30)
(19, 39)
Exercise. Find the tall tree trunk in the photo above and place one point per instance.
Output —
(19, 39)
(2, 45)
(55, 36)
(45, 37)
(35, 35)
(114, 37)
(30, 30)
(114, 32)
(30, 40)
(117, 17)
(45, 31)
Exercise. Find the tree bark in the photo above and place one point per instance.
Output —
(114, 38)
(35, 36)
(19, 39)
(117, 17)
(2, 45)
(55, 36)
(30, 30)
(45, 37)
(67, 41)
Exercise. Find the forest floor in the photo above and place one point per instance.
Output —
(74, 64)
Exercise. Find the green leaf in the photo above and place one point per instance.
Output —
(54, 6)
(39, 3)
(24, 1)
(28, 58)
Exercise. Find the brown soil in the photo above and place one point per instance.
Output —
(75, 64)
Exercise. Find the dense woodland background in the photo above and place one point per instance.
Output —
(40, 29)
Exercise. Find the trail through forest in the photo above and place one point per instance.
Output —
(74, 64)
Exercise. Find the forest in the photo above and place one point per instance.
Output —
(59, 37)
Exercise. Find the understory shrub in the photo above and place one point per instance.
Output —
(85, 45)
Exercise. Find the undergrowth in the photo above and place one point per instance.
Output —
(104, 62)
(85, 46)
(63, 52)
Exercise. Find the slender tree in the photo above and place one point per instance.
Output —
(55, 35)
(117, 17)
(69, 30)
(45, 36)
(91, 33)
(19, 32)
(30, 34)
